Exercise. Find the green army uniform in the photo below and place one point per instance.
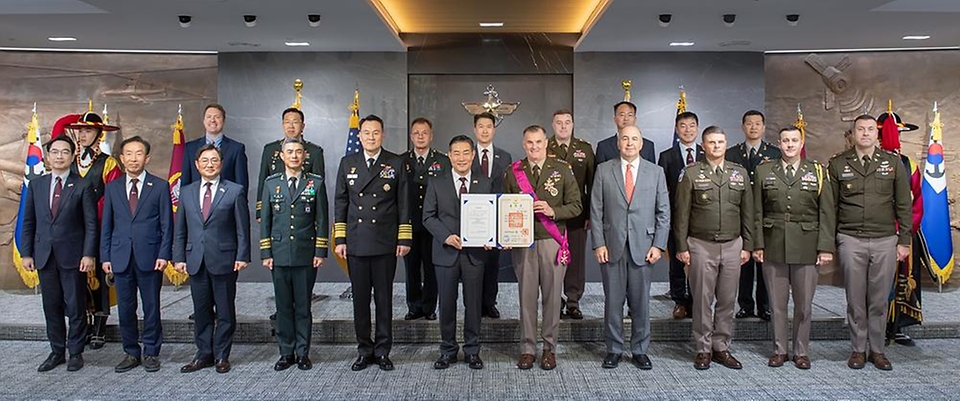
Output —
(270, 163)
(293, 230)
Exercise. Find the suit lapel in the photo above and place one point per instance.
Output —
(66, 193)
(43, 194)
(146, 189)
(190, 196)
(217, 196)
(854, 161)
(619, 178)
(364, 175)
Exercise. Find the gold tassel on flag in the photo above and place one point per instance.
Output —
(176, 278)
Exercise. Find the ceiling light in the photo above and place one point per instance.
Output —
(491, 24)
(916, 37)
(61, 39)
(681, 44)
(297, 44)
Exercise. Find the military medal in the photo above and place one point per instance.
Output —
(350, 182)
(386, 187)
(307, 209)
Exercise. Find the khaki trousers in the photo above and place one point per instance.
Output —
(783, 279)
(539, 276)
(714, 275)
(869, 266)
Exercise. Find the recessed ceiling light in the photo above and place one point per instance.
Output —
(681, 44)
(916, 37)
(295, 44)
(61, 39)
(491, 24)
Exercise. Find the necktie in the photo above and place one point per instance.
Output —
(370, 163)
(563, 150)
(690, 159)
(790, 172)
(55, 203)
(292, 186)
(536, 173)
(420, 161)
(463, 186)
(866, 162)
(134, 195)
(207, 201)
(485, 164)
(629, 182)
(718, 171)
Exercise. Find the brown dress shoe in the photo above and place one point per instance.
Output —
(526, 361)
(548, 361)
(802, 362)
(857, 360)
(777, 360)
(680, 312)
(726, 359)
(702, 361)
(880, 361)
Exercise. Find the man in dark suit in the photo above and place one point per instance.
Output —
(454, 263)
(234, 153)
(491, 162)
(686, 152)
(211, 243)
(60, 240)
(424, 162)
(372, 229)
(135, 245)
(624, 115)
(749, 154)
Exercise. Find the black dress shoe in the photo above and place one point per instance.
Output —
(273, 316)
(642, 362)
(903, 339)
(361, 363)
(129, 362)
(196, 365)
(222, 365)
(493, 312)
(764, 315)
(304, 363)
(431, 316)
(75, 363)
(53, 360)
(743, 314)
(384, 362)
(444, 361)
(474, 361)
(284, 363)
(151, 363)
(611, 361)
(412, 316)
(575, 314)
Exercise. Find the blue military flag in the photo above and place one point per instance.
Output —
(33, 168)
(935, 226)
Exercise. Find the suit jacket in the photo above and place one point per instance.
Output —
(72, 234)
(647, 217)
(142, 237)
(234, 162)
(673, 164)
(441, 215)
(501, 161)
(372, 206)
(218, 241)
(418, 178)
(607, 149)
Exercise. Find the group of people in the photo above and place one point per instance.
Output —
(723, 217)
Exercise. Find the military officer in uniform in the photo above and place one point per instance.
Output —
(579, 155)
(874, 222)
(713, 226)
(423, 162)
(293, 243)
(372, 229)
(792, 204)
(270, 160)
(749, 154)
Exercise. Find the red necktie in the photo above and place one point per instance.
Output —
(207, 200)
(689, 156)
(629, 183)
(55, 203)
(463, 186)
(134, 195)
(485, 164)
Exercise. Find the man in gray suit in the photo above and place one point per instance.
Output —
(211, 242)
(632, 190)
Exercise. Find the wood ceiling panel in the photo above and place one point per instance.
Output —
(445, 16)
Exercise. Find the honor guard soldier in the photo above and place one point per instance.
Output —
(579, 155)
(270, 161)
(749, 154)
(372, 229)
(293, 244)
(714, 226)
(423, 162)
(793, 203)
(874, 221)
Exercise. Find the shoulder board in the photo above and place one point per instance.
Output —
(272, 176)
(560, 161)
(890, 152)
(314, 175)
(765, 161)
(733, 164)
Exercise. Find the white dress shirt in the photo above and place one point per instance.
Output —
(213, 189)
(479, 156)
(141, 177)
(456, 181)
(53, 183)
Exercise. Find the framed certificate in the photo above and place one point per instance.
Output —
(515, 220)
(478, 220)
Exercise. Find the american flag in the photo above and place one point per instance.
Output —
(353, 137)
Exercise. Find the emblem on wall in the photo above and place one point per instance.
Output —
(492, 105)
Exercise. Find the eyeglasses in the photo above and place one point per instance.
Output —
(209, 161)
(55, 152)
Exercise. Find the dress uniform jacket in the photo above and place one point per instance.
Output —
(270, 163)
(797, 210)
(867, 204)
(740, 154)
(372, 206)
(297, 239)
(579, 155)
(418, 176)
(723, 205)
(555, 175)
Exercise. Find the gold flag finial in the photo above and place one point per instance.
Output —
(355, 106)
(89, 105)
(297, 86)
(889, 106)
(682, 102)
(626, 84)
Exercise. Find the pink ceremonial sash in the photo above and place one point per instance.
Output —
(563, 256)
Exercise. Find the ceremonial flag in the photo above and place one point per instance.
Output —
(353, 146)
(33, 169)
(173, 178)
(935, 226)
(681, 108)
(802, 126)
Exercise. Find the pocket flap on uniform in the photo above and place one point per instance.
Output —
(810, 225)
(768, 224)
